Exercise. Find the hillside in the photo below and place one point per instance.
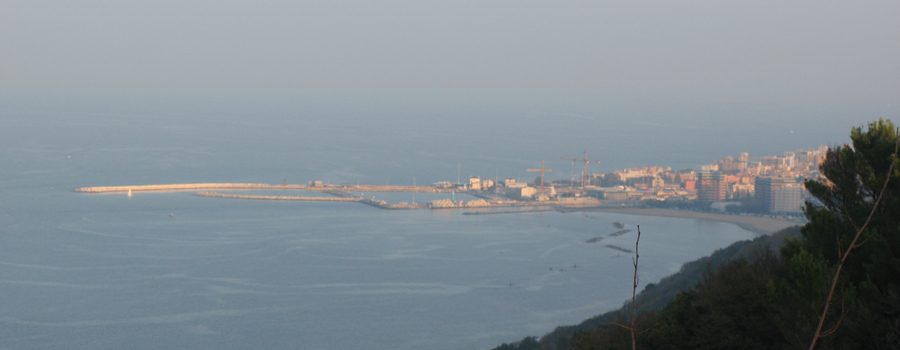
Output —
(656, 295)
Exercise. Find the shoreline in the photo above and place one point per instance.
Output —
(760, 225)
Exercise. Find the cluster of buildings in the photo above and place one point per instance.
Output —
(775, 182)
(510, 188)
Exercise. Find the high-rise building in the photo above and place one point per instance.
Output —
(742, 161)
(789, 158)
(779, 195)
(712, 187)
(727, 163)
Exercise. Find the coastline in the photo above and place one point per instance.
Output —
(760, 225)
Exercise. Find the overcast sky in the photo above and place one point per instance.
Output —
(554, 55)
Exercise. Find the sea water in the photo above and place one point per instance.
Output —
(172, 270)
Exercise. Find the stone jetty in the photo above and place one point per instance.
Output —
(189, 187)
(278, 198)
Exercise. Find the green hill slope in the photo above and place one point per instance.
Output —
(657, 295)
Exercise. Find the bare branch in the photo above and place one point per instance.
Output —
(621, 325)
(834, 328)
(799, 342)
(634, 306)
(840, 248)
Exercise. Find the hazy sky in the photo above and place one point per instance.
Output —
(550, 56)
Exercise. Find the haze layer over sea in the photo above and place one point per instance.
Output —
(170, 270)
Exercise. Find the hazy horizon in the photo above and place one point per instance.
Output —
(408, 61)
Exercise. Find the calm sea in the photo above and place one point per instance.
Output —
(171, 270)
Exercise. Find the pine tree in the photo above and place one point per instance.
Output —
(859, 192)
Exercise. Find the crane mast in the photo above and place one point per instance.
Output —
(584, 174)
(541, 170)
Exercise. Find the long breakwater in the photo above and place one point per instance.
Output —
(190, 187)
(340, 193)
(278, 198)
(258, 186)
(339, 196)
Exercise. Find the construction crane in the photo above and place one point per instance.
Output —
(541, 170)
(584, 175)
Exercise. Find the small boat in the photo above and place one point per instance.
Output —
(129, 193)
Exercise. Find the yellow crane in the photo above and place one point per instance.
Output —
(584, 175)
(541, 170)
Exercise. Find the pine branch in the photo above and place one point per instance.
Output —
(846, 254)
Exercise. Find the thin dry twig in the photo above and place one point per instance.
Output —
(649, 328)
(634, 306)
(632, 312)
(621, 325)
(834, 328)
(853, 244)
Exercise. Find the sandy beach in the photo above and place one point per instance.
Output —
(757, 224)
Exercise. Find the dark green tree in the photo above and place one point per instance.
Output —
(610, 180)
(731, 309)
(856, 232)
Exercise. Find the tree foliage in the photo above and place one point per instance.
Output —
(860, 180)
